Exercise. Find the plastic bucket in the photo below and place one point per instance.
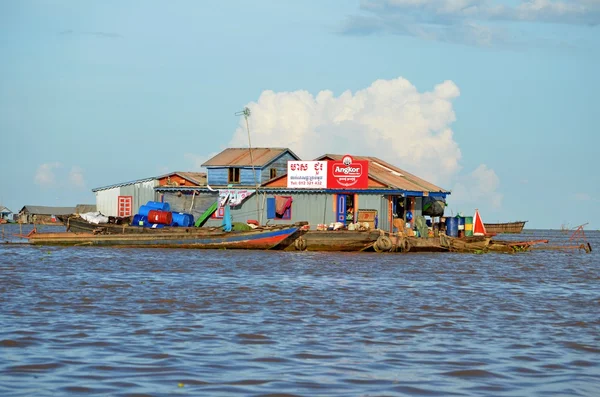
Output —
(452, 227)
(182, 219)
(160, 217)
(468, 226)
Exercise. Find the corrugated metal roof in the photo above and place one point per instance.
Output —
(42, 210)
(391, 175)
(5, 210)
(198, 178)
(240, 157)
(83, 208)
(300, 191)
(123, 184)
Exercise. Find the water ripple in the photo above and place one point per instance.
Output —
(130, 322)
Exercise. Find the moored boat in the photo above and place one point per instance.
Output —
(506, 227)
(261, 239)
(339, 240)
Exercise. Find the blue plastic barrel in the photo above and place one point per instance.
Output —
(159, 205)
(144, 209)
(182, 219)
(139, 220)
(452, 227)
(461, 222)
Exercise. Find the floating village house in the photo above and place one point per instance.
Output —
(5, 214)
(272, 185)
(124, 199)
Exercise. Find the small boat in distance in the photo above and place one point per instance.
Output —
(506, 227)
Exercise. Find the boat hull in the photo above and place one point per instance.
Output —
(506, 227)
(260, 240)
(335, 240)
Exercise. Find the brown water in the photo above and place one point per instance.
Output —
(252, 323)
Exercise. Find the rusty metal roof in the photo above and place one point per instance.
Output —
(240, 157)
(391, 175)
(199, 178)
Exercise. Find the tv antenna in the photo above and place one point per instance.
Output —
(246, 113)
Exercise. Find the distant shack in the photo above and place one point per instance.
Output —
(42, 215)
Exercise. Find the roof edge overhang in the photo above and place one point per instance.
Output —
(213, 189)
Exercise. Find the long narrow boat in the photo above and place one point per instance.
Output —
(261, 239)
(506, 227)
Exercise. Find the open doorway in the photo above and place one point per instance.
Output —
(346, 211)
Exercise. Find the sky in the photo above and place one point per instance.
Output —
(495, 100)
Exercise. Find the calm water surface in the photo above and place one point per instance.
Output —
(250, 323)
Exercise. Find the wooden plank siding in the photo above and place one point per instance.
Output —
(219, 176)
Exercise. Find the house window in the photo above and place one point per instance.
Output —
(124, 206)
(273, 173)
(234, 175)
(285, 204)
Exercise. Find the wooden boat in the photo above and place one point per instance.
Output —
(261, 238)
(77, 224)
(506, 227)
(340, 241)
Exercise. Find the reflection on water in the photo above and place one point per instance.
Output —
(184, 322)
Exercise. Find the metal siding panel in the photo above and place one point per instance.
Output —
(106, 201)
(375, 202)
(418, 207)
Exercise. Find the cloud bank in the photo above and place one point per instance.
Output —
(390, 119)
(46, 176)
(475, 22)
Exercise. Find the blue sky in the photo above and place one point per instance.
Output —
(495, 100)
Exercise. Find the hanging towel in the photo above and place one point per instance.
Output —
(282, 203)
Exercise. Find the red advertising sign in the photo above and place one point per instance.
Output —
(348, 174)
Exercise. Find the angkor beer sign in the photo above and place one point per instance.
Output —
(307, 174)
(348, 174)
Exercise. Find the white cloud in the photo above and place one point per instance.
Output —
(76, 177)
(583, 197)
(479, 189)
(389, 119)
(474, 22)
(555, 11)
(44, 175)
(197, 161)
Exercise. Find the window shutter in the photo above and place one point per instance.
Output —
(271, 208)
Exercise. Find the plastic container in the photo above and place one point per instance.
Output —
(182, 219)
(159, 205)
(461, 222)
(468, 226)
(452, 227)
(139, 220)
(160, 217)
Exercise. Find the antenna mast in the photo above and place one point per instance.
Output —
(246, 113)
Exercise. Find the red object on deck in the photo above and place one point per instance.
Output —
(252, 222)
(478, 226)
(160, 217)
